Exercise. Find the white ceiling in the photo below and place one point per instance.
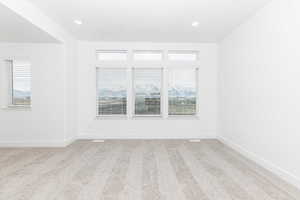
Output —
(149, 20)
(14, 28)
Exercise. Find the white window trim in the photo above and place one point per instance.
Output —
(8, 88)
(161, 92)
(196, 115)
(130, 64)
(124, 116)
(17, 107)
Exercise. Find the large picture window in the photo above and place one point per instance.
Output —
(111, 92)
(182, 91)
(147, 90)
(158, 83)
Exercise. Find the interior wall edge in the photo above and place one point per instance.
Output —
(241, 23)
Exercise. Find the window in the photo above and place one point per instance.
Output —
(182, 91)
(114, 55)
(111, 91)
(19, 82)
(154, 88)
(183, 55)
(147, 55)
(147, 88)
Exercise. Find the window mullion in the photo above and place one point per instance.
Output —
(11, 83)
(130, 94)
(197, 91)
(165, 93)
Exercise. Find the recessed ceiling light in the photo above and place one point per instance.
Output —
(195, 24)
(78, 22)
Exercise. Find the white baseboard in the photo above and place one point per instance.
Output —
(67, 142)
(101, 137)
(19, 144)
(283, 174)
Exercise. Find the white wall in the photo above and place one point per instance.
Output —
(71, 107)
(90, 127)
(37, 18)
(44, 123)
(58, 100)
(259, 88)
(60, 63)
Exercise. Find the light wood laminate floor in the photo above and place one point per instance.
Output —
(136, 170)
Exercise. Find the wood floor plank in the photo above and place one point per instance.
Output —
(216, 170)
(94, 189)
(48, 177)
(150, 185)
(191, 189)
(168, 183)
(245, 175)
(13, 162)
(133, 186)
(274, 191)
(9, 152)
(20, 175)
(84, 175)
(115, 183)
(64, 176)
(135, 170)
(215, 183)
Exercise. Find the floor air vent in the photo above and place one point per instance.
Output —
(98, 141)
(195, 140)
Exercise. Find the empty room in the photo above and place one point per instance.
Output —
(149, 100)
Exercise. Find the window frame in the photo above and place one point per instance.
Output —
(133, 94)
(126, 52)
(8, 65)
(127, 93)
(164, 65)
(182, 52)
(158, 52)
(196, 71)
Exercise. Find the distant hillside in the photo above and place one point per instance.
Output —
(182, 92)
(148, 90)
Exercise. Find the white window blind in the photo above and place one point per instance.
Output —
(182, 91)
(21, 83)
(147, 86)
(111, 91)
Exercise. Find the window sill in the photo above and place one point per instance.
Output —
(183, 117)
(112, 117)
(147, 117)
(17, 107)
